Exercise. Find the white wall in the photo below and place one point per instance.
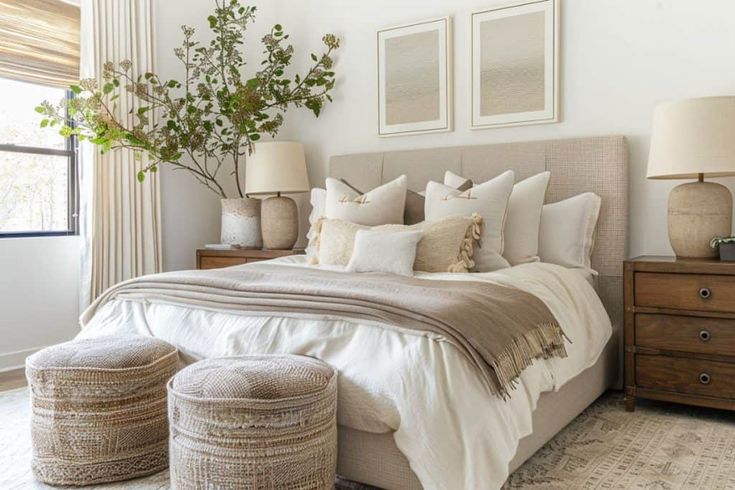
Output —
(39, 295)
(619, 58)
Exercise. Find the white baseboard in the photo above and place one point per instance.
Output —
(10, 361)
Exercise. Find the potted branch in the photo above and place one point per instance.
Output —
(206, 122)
(726, 246)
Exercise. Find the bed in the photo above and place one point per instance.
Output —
(399, 390)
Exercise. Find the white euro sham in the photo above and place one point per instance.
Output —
(567, 235)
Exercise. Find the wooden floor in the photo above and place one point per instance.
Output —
(10, 380)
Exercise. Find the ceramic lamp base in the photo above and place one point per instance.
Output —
(279, 222)
(698, 211)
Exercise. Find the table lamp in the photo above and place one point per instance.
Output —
(694, 139)
(277, 167)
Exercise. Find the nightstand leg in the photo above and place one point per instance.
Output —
(629, 403)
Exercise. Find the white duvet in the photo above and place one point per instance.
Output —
(453, 431)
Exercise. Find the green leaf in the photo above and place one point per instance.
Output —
(40, 109)
(278, 27)
(212, 21)
(44, 123)
(76, 89)
(141, 176)
(107, 88)
(254, 136)
(313, 57)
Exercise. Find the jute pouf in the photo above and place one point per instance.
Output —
(99, 409)
(254, 422)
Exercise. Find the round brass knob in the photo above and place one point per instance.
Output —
(704, 378)
(705, 336)
(705, 293)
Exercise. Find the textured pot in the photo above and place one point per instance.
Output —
(241, 222)
(698, 211)
(727, 252)
(280, 223)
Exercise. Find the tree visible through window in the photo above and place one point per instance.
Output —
(37, 166)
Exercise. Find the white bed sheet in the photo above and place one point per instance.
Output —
(453, 431)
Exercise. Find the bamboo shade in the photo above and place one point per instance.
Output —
(39, 41)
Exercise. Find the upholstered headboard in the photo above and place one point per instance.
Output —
(596, 164)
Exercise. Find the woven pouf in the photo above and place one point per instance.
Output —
(99, 409)
(254, 422)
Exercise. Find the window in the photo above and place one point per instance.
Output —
(38, 177)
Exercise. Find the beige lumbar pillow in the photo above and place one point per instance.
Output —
(445, 246)
(380, 206)
(489, 200)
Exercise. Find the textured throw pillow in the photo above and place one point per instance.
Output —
(446, 246)
(380, 206)
(489, 200)
(568, 231)
(384, 251)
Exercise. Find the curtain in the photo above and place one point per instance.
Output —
(120, 217)
(39, 41)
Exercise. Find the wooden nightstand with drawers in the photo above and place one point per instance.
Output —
(215, 259)
(680, 331)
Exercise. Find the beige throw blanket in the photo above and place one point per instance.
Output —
(499, 328)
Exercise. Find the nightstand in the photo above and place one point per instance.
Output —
(680, 331)
(214, 259)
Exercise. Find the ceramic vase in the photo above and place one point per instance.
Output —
(241, 223)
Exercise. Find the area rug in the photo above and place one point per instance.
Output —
(658, 447)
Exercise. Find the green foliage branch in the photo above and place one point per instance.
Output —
(206, 123)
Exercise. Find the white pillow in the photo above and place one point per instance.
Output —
(380, 251)
(383, 205)
(524, 219)
(568, 231)
(453, 180)
(489, 200)
(318, 204)
(521, 232)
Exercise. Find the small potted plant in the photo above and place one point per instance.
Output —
(726, 245)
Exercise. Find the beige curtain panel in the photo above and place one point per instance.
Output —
(120, 217)
(39, 41)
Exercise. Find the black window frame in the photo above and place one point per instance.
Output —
(72, 153)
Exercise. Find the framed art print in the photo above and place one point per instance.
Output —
(414, 78)
(515, 64)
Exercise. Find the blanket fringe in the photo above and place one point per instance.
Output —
(543, 342)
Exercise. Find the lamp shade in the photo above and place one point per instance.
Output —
(692, 137)
(276, 167)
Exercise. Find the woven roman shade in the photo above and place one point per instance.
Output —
(39, 41)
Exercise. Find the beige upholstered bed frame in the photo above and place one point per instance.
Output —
(595, 164)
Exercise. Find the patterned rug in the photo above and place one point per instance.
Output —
(659, 447)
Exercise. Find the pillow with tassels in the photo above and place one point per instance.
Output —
(446, 245)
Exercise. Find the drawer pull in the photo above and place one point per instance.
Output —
(704, 378)
(705, 336)
(705, 293)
